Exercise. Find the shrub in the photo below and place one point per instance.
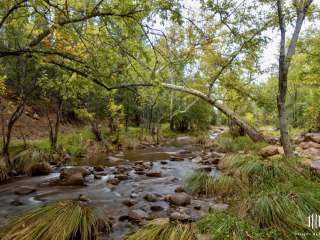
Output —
(67, 220)
(163, 229)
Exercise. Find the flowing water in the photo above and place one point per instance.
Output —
(109, 197)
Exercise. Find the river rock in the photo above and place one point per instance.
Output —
(179, 199)
(24, 190)
(182, 217)
(41, 168)
(176, 158)
(16, 202)
(150, 197)
(156, 208)
(113, 181)
(153, 174)
(67, 172)
(306, 145)
(137, 215)
(122, 177)
(269, 151)
(179, 189)
(128, 202)
(98, 168)
(74, 179)
(314, 137)
(83, 198)
(164, 162)
(197, 159)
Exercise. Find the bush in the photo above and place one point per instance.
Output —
(163, 229)
(67, 220)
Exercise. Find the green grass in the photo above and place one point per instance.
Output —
(3, 172)
(24, 161)
(230, 144)
(202, 183)
(163, 229)
(67, 220)
(221, 226)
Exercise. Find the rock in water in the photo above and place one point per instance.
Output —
(24, 190)
(137, 215)
(179, 199)
(73, 176)
(150, 197)
(179, 189)
(153, 174)
(83, 198)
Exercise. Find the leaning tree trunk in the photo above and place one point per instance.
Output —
(250, 130)
(7, 134)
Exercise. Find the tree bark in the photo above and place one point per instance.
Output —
(54, 127)
(7, 134)
(284, 63)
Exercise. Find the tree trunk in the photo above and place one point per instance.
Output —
(7, 134)
(96, 131)
(54, 127)
(250, 130)
(284, 64)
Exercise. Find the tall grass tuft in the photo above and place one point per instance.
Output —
(202, 183)
(69, 220)
(163, 229)
(3, 172)
(221, 226)
(24, 160)
(230, 144)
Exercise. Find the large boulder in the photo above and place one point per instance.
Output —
(41, 168)
(73, 175)
(269, 151)
(313, 137)
(179, 199)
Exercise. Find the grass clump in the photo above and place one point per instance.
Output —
(4, 173)
(29, 161)
(69, 220)
(221, 226)
(281, 209)
(235, 144)
(202, 183)
(164, 229)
